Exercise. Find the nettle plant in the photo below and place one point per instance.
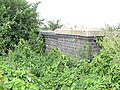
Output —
(18, 19)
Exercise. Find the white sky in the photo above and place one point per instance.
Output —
(87, 13)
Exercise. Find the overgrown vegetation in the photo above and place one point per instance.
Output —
(23, 68)
(18, 20)
(26, 67)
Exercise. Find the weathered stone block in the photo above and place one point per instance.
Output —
(75, 42)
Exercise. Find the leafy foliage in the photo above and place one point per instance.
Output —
(52, 25)
(18, 20)
(24, 68)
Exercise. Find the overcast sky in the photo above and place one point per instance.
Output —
(87, 13)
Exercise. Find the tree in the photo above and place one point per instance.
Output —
(52, 25)
(18, 20)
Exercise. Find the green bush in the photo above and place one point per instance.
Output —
(11, 79)
(18, 20)
(54, 70)
(20, 68)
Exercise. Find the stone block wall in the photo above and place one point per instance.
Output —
(74, 42)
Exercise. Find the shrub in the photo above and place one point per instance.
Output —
(54, 70)
(19, 69)
(18, 20)
(11, 79)
(106, 65)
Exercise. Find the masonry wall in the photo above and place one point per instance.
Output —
(74, 45)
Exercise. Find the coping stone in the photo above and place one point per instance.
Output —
(81, 32)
